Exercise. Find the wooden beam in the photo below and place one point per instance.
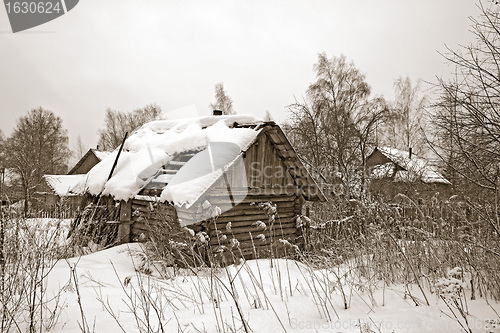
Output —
(125, 221)
(275, 192)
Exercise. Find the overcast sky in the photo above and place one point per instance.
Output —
(125, 54)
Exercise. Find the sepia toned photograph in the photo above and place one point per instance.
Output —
(249, 166)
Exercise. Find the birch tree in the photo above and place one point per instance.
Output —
(38, 146)
(222, 102)
(335, 124)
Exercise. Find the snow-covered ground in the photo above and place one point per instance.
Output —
(273, 296)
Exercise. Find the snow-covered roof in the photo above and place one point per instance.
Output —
(62, 184)
(157, 144)
(100, 154)
(414, 168)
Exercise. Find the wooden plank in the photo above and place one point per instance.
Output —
(123, 235)
(247, 237)
(266, 162)
(282, 213)
(247, 206)
(248, 165)
(242, 211)
(289, 181)
(236, 224)
(247, 244)
(125, 210)
(137, 202)
(299, 201)
(274, 138)
(213, 199)
(253, 218)
(260, 159)
(235, 213)
(276, 165)
(280, 147)
(263, 218)
(254, 164)
(272, 191)
(276, 230)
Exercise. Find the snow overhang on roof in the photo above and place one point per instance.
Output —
(62, 184)
(156, 156)
(156, 144)
(100, 154)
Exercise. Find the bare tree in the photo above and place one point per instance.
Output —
(336, 123)
(467, 120)
(116, 123)
(80, 148)
(38, 146)
(78, 151)
(405, 124)
(223, 102)
(268, 117)
(2, 165)
(2, 145)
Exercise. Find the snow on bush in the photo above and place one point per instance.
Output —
(451, 286)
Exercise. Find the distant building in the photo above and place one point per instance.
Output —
(55, 196)
(394, 171)
(88, 161)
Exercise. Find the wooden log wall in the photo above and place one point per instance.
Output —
(148, 217)
(243, 220)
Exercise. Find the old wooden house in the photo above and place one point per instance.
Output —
(394, 171)
(56, 200)
(235, 178)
